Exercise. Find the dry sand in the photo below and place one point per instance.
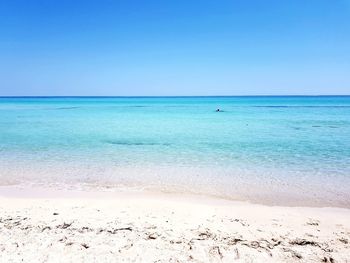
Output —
(141, 227)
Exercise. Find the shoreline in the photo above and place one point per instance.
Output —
(134, 226)
(52, 192)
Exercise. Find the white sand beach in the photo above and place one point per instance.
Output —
(54, 226)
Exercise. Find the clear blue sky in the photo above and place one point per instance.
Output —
(178, 47)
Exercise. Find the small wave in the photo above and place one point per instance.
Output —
(66, 108)
(331, 126)
(131, 106)
(309, 106)
(128, 143)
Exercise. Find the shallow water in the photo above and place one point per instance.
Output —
(277, 150)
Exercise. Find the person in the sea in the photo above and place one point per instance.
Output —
(217, 110)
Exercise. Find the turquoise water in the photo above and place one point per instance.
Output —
(277, 150)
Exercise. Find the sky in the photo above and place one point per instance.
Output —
(174, 48)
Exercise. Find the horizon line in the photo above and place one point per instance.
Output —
(166, 96)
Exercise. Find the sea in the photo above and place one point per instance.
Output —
(276, 150)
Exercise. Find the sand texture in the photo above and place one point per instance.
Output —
(163, 229)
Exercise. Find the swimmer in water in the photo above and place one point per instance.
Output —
(217, 110)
